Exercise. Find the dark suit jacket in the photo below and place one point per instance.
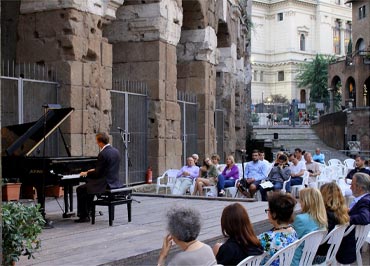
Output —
(359, 214)
(106, 174)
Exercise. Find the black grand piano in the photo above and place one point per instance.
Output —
(18, 144)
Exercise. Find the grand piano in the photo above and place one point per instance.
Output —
(18, 160)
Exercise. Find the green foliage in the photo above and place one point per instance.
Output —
(255, 117)
(278, 98)
(20, 227)
(314, 75)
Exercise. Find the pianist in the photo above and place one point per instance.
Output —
(105, 175)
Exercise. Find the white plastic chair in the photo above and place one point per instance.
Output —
(311, 244)
(171, 179)
(334, 162)
(284, 185)
(295, 189)
(334, 239)
(284, 255)
(252, 260)
(349, 163)
(361, 234)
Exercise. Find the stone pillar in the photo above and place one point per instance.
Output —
(68, 36)
(144, 38)
(197, 57)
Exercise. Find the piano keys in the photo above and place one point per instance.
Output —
(18, 143)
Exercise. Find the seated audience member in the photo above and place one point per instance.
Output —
(299, 154)
(280, 215)
(196, 159)
(255, 172)
(360, 168)
(359, 213)
(336, 211)
(313, 169)
(216, 162)
(228, 176)
(207, 177)
(279, 173)
(183, 225)
(297, 169)
(318, 156)
(185, 177)
(261, 157)
(312, 218)
(241, 240)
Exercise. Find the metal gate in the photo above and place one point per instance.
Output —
(25, 88)
(129, 128)
(189, 124)
(219, 125)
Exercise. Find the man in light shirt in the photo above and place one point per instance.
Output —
(318, 156)
(313, 169)
(185, 177)
(297, 169)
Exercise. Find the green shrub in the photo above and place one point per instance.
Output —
(20, 228)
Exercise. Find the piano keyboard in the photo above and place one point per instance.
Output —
(76, 176)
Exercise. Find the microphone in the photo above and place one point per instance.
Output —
(242, 151)
(120, 129)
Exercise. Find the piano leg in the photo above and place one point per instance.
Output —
(70, 198)
(41, 200)
(66, 207)
(68, 201)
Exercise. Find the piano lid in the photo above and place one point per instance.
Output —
(23, 139)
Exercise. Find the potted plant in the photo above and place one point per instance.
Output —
(11, 189)
(21, 226)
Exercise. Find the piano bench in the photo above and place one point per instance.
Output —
(111, 198)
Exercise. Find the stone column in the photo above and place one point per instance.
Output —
(68, 36)
(197, 57)
(144, 38)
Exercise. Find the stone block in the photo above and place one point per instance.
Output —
(106, 54)
(76, 97)
(156, 89)
(157, 128)
(173, 111)
(76, 144)
(173, 162)
(106, 81)
(105, 101)
(171, 91)
(158, 146)
(89, 145)
(172, 129)
(79, 122)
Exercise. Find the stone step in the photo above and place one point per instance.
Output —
(288, 137)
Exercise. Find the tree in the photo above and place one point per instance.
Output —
(314, 75)
(278, 98)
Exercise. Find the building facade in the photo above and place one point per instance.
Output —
(194, 47)
(285, 34)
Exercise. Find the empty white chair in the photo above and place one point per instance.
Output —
(295, 189)
(252, 260)
(171, 175)
(311, 244)
(361, 234)
(334, 162)
(284, 255)
(349, 163)
(334, 238)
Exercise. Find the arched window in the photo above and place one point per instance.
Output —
(303, 96)
(302, 43)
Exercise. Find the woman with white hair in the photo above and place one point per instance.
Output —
(183, 225)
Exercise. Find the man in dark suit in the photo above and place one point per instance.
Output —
(359, 213)
(105, 175)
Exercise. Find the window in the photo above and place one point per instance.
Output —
(255, 74)
(336, 37)
(302, 43)
(362, 12)
(281, 76)
(347, 36)
(261, 76)
(280, 16)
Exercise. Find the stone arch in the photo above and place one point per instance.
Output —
(193, 14)
(360, 45)
(366, 93)
(303, 96)
(223, 35)
(351, 91)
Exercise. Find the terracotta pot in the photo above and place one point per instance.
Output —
(11, 191)
(28, 192)
(54, 191)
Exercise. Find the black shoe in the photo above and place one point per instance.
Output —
(83, 220)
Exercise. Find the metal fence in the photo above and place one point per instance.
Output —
(189, 124)
(129, 128)
(24, 89)
(219, 125)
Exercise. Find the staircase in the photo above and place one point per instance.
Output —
(289, 138)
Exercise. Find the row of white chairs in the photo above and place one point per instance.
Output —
(311, 242)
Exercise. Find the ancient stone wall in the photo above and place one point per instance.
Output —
(144, 38)
(69, 37)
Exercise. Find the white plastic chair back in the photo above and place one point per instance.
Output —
(311, 244)
(284, 185)
(334, 239)
(362, 232)
(334, 162)
(171, 179)
(284, 255)
(349, 163)
(295, 189)
(252, 260)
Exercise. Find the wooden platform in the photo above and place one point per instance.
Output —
(135, 243)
